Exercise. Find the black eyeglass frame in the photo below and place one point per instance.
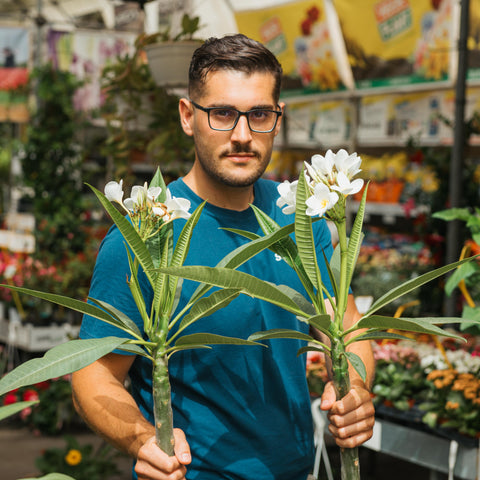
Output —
(207, 110)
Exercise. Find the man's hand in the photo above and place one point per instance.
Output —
(154, 464)
(352, 417)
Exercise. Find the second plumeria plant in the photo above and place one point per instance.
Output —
(321, 191)
(146, 224)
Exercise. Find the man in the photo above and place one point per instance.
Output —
(242, 412)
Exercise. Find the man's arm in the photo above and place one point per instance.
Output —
(100, 397)
(352, 418)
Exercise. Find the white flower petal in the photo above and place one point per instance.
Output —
(177, 207)
(114, 191)
(153, 193)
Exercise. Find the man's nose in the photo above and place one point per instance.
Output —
(241, 133)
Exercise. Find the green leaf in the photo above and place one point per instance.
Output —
(52, 476)
(130, 235)
(461, 273)
(304, 236)
(73, 304)
(280, 333)
(227, 278)
(375, 335)
(416, 325)
(412, 284)
(61, 360)
(158, 181)
(310, 348)
(128, 324)
(453, 214)
(135, 349)
(321, 322)
(357, 364)
(9, 410)
(208, 305)
(211, 339)
(356, 237)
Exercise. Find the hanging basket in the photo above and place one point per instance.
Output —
(169, 62)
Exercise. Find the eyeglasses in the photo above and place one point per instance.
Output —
(223, 119)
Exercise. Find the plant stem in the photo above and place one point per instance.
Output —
(350, 463)
(162, 405)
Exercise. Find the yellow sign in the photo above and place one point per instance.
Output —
(299, 36)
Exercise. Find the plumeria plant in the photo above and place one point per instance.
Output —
(145, 221)
(321, 191)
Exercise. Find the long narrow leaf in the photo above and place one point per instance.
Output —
(72, 303)
(208, 305)
(355, 240)
(60, 360)
(211, 339)
(405, 324)
(280, 333)
(321, 322)
(9, 410)
(412, 284)
(357, 364)
(304, 236)
(378, 335)
(129, 324)
(227, 278)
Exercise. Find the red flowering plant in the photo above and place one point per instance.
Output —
(53, 411)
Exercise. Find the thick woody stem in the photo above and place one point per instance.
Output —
(162, 404)
(350, 464)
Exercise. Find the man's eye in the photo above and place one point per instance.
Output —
(223, 113)
(258, 114)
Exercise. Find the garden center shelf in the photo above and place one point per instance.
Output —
(388, 211)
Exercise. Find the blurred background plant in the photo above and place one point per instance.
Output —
(53, 414)
(81, 462)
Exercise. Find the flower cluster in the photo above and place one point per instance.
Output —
(329, 179)
(453, 401)
(146, 212)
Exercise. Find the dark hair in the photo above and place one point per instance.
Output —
(232, 52)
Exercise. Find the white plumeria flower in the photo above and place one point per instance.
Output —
(347, 163)
(10, 271)
(114, 191)
(177, 207)
(288, 196)
(322, 200)
(321, 168)
(345, 186)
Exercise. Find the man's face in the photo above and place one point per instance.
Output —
(238, 157)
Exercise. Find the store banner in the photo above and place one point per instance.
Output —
(303, 37)
(399, 42)
(85, 53)
(14, 46)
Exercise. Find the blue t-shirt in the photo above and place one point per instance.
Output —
(245, 410)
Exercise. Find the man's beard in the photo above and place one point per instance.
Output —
(223, 177)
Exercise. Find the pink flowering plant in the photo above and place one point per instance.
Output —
(321, 191)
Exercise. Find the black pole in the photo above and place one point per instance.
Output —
(456, 165)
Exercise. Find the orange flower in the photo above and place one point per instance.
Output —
(452, 405)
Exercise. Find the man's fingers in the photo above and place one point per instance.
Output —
(182, 449)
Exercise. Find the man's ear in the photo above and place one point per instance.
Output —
(185, 108)
(280, 118)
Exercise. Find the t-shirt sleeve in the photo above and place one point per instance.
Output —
(110, 284)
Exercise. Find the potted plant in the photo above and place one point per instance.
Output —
(169, 57)
(142, 118)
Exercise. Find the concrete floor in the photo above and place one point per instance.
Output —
(19, 448)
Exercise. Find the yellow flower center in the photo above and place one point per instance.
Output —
(73, 457)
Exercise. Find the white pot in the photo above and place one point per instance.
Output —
(169, 62)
